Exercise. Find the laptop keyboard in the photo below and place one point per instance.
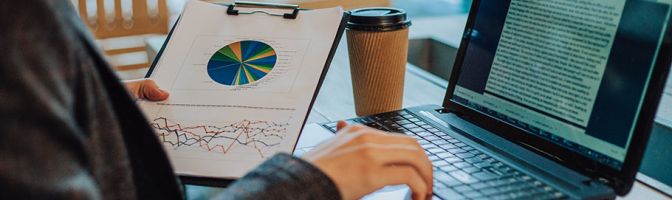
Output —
(460, 171)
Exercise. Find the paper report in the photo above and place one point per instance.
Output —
(240, 86)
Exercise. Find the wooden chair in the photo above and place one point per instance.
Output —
(121, 31)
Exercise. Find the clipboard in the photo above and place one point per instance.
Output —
(232, 10)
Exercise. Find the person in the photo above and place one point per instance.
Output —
(70, 129)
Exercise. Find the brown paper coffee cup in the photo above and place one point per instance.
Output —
(377, 67)
(378, 48)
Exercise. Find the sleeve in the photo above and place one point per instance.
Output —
(283, 177)
(42, 152)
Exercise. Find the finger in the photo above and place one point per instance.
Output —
(340, 125)
(133, 87)
(150, 91)
(363, 135)
(400, 154)
(379, 137)
(399, 174)
(358, 127)
(371, 136)
(353, 128)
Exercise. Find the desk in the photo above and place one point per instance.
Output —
(335, 102)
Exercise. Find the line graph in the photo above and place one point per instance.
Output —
(260, 136)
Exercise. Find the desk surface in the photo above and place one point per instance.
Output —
(335, 100)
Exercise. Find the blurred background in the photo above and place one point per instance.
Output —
(433, 8)
(132, 31)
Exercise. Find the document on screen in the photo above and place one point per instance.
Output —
(552, 54)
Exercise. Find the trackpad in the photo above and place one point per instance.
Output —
(391, 192)
(311, 136)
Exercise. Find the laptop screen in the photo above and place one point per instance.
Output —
(571, 72)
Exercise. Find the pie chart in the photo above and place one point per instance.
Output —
(241, 63)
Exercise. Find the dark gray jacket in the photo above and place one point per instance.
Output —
(69, 130)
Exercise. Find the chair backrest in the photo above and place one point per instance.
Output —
(120, 26)
(118, 18)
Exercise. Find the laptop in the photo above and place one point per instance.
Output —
(546, 100)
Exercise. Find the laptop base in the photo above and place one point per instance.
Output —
(472, 163)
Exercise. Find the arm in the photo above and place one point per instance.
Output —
(283, 177)
(358, 161)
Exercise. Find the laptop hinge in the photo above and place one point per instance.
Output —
(593, 180)
(598, 180)
(443, 110)
(548, 155)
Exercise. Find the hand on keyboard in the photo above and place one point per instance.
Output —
(460, 170)
(361, 160)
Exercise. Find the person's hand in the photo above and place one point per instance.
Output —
(361, 160)
(145, 89)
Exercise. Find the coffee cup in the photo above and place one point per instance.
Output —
(378, 48)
